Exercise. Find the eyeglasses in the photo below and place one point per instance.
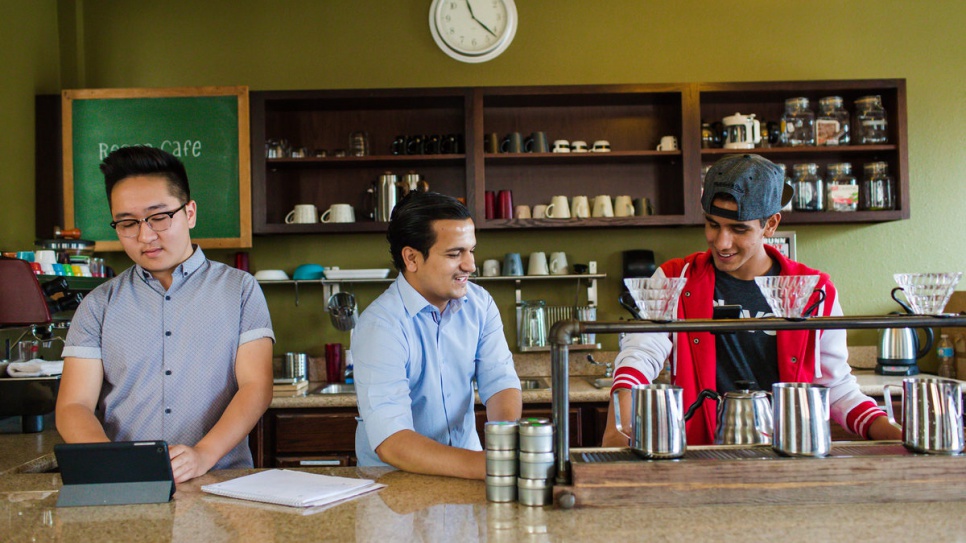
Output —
(159, 222)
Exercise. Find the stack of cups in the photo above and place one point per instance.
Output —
(501, 461)
(535, 485)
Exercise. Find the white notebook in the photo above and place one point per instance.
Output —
(292, 488)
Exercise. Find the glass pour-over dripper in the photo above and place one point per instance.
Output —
(787, 294)
(656, 298)
(927, 293)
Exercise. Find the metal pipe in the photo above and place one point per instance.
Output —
(563, 332)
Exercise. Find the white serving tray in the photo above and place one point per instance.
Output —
(379, 273)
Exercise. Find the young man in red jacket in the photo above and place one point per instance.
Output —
(742, 199)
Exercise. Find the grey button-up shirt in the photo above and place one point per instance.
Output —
(169, 356)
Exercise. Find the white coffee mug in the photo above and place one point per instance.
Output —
(558, 208)
(623, 206)
(580, 207)
(601, 146)
(521, 212)
(339, 213)
(668, 143)
(491, 268)
(302, 214)
(538, 264)
(540, 211)
(578, 146)
(558, 264)
(46, 256)
(603, 207)
(561, 146)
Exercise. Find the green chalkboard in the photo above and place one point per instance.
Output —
(207, 128)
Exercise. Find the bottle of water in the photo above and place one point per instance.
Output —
(348, 368)
(947, 357)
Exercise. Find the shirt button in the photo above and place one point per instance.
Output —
(167, 372)
(167, 297)
(168, 410)
(696, 341)
(168, 333)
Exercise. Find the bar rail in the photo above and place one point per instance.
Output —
(563, 332)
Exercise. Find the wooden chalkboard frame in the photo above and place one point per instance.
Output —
(69, 97)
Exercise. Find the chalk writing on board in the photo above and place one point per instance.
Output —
(181, 149)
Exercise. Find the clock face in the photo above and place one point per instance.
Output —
(473, 30)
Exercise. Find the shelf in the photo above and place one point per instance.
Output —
(499, 278)
(633, 118)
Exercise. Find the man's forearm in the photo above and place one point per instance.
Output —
(77, 424)
(241, 415)
(409, 451)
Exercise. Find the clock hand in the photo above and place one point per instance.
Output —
(470, 7)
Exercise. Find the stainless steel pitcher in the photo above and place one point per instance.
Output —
(657, 421)
(802, 419)
(932, 411)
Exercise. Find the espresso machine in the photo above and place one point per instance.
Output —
(26, 327)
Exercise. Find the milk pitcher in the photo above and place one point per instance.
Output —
(657, 421)
(802, 419)
(932, 411)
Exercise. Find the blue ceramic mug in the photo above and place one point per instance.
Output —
(512, 264)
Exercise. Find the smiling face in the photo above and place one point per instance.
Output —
(737, 247)
(442, 275)
(140, 196)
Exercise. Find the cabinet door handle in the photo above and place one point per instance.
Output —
(320, 463)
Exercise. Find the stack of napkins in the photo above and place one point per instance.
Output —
(293, 488)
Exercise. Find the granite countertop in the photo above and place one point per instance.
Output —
(427, 508)
(28, 453)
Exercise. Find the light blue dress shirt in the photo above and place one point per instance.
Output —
(414, 367)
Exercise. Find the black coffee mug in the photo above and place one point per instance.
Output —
(398, 146)
(450, 145)
(415, 145)
(432, 145)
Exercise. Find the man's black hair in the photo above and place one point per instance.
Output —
(143, 160)
(411, 222)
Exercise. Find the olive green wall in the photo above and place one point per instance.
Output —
(375, 43)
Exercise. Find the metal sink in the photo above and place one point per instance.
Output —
(534, 383)
(336, 388)
(601, 382)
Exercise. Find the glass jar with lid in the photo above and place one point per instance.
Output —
(871, 125)
(798, 123)
(788, 181)
(832, 124)
(876, 192)
(809, 188)
(841, 188)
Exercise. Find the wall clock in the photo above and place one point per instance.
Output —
(473, 30)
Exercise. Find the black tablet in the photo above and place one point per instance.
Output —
(114, 473)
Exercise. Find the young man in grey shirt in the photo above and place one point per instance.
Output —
(177, 347)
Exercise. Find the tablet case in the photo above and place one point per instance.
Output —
(117, 473)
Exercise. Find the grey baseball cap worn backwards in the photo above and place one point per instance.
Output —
(756, 183)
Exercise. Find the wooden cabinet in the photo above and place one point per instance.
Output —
(305, 437)
(633, 118)
(585, 431)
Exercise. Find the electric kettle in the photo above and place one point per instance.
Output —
(741, 131)
(899, 348)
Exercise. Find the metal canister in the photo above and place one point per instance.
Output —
(534, 491)
(501, 435)
(536, 435)
(501, 488)
(501, 463)
(385, 195)
(536, 465)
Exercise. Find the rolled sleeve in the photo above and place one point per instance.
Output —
(382, 387)
(495, 371)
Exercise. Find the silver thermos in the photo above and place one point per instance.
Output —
(385, 193)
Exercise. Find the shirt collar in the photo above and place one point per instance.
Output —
(414, 302)
(184, 269)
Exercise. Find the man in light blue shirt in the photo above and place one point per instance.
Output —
(419, 346)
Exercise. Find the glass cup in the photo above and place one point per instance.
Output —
(359, 144)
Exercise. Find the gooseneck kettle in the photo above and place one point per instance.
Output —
(900, 348)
